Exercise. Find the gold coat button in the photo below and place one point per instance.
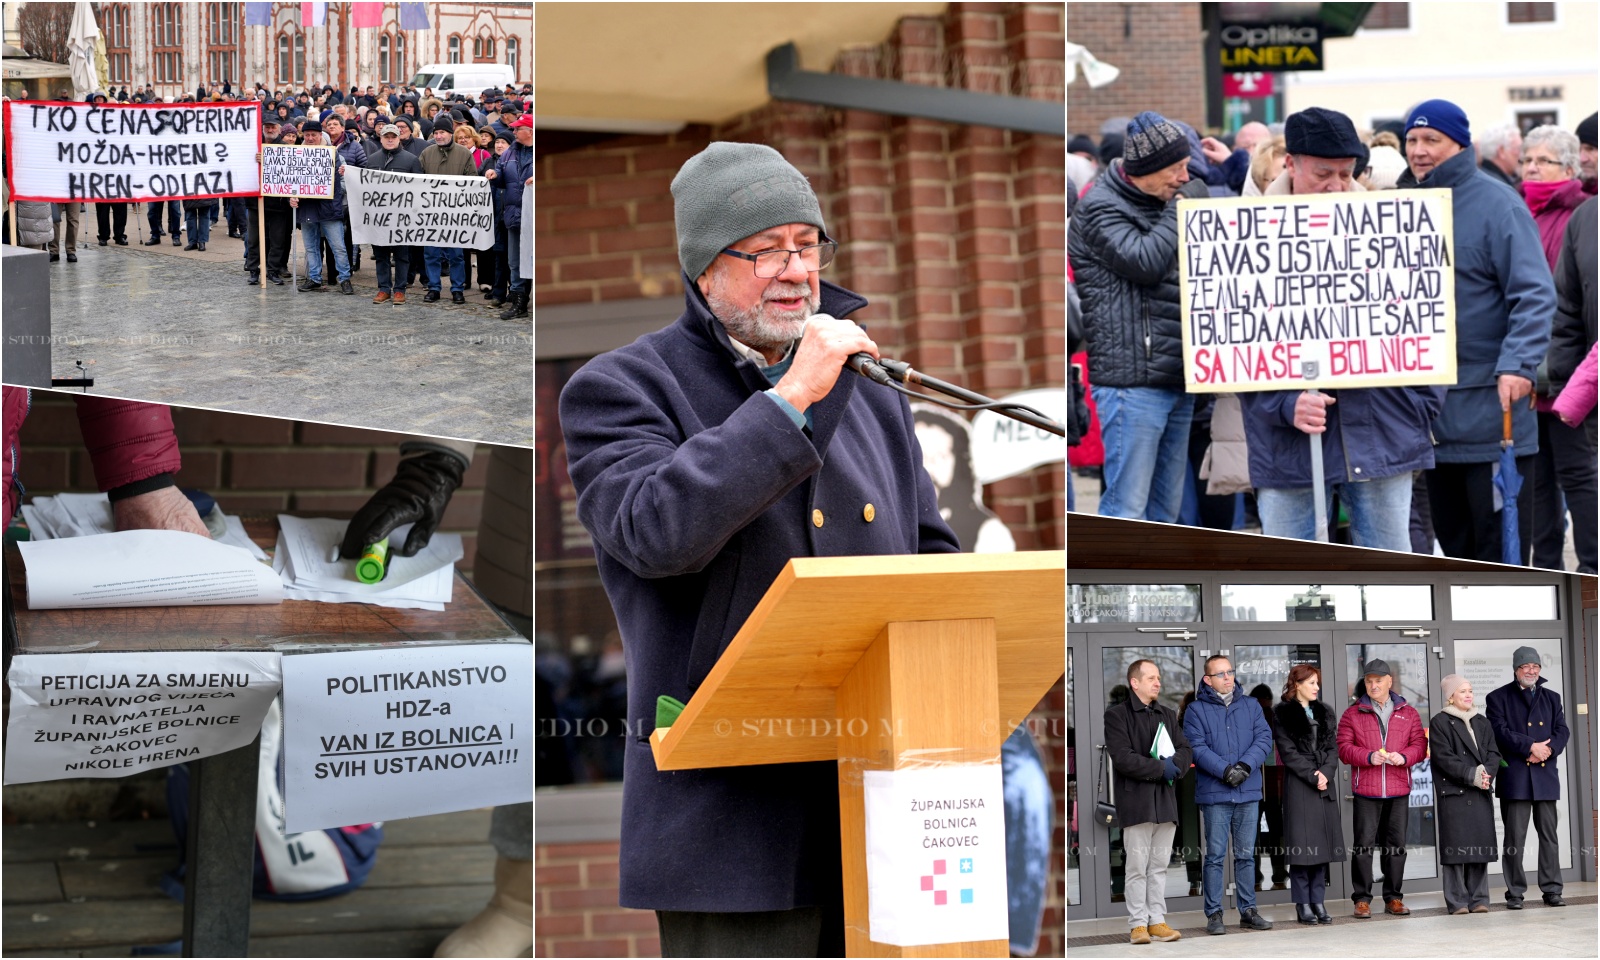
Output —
(868, 513)
(816, 518)
(1541, 723)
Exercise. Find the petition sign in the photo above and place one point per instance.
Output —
(386, 734)
(112, 714)
(294, 171)
(73, 151)
(410, 209)
(1325, 291)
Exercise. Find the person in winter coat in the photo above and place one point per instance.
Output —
(342, 135)
(1504, 302)
(197, 220)
(1577, 399)
(1466, 761)
(1231, 741)
(705, 455)
(1572, 339)
(446, 158)
(321, 219)
(1372, 438)
(35, 227)
(1123, 246)
(515, 168)
(1380, 736)
(394, 263)
(1531, 730)
(1313, 836)
(1147, 801)
(1563, 477)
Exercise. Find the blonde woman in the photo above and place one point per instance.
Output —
(1465, 762)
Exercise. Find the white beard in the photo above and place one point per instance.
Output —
(762, 327)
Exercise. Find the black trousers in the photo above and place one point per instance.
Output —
(804, 932)
(174, 216)
(280, 232)
(1565, 464)
(1514, 814)
(1461, 496)
(1380, 823)
(1308, 883)
(109, 216)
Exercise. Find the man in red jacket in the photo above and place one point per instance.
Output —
(135, 456)
(1381, 737)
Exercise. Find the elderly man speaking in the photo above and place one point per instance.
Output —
(705, 455)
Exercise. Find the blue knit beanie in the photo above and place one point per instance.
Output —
(1443, 116)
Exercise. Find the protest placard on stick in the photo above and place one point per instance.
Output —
(63, 152)
(409, 209)
(1358, 287)
(288, 170)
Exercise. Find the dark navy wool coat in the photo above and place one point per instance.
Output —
(1520, 718)
(697, 490)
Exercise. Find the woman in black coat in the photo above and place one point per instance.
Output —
(1465, 762)
(1312, 834)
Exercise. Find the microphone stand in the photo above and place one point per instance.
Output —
(903, 372)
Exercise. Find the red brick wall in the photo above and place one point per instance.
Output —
(249, 464)
(575, 906)
(1160, 51)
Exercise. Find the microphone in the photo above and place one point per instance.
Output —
(861, 363)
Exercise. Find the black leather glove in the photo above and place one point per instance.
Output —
(418, 494)
(1236, 774)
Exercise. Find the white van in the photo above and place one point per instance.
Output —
(472, 78)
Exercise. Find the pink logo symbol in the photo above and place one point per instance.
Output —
(940, 897)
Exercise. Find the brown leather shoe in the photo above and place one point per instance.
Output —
(1363, 910)
(1481, 908)
(381, 297)
(1397, 908)
(399, 296)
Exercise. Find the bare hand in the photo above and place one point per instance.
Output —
(164, 509)
(1322, 780)
(489, 174)
(1540, 752)
(1513, 388)
(1215, 150)
(824, 347)
(1311, 412)
(294, 202)
(1396, 759)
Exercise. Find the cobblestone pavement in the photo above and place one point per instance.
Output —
(163, 324)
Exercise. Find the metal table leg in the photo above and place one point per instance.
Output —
(220, 854)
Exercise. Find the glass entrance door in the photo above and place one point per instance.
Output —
(1416, 680)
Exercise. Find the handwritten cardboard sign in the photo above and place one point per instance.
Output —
(409, 209)
(114, 714)
(288, 170)
(1325, 291)
(73, 151)
(384, 734)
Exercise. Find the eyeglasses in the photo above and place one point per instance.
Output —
(1541, 161)
(772, 263)
(1221, 673)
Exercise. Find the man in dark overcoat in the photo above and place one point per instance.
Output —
(1147, 801)
(1531, 729)
(706, 455)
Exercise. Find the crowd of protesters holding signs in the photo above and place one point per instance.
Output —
(1407, 319)
(454, 168)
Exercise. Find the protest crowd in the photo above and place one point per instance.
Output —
(1409, 466)
(394, 128)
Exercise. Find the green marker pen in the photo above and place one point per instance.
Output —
(370, 568)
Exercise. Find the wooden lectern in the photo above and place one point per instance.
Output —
(942, 654)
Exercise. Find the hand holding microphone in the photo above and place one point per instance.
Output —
(826, 346)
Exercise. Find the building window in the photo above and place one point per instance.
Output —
(488, 49)
(385, 75)
(300, 58)
(283, 58)
(1388, 16)
(292, 58)
(167, 54)
(400, 69)
(511, 57)
(455, 51)
(477, 48)
(114, 27)
(1530, 13)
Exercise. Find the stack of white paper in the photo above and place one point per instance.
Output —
(86, 514)
(307, 559)
(143, 568)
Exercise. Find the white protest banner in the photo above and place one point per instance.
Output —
(294, 171)
(1003, 447)
(412, 209)
(384, 734)
(112, 714)
(936, 854)
(1325, 291)
(74, 151)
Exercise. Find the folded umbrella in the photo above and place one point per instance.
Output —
(1509, 483)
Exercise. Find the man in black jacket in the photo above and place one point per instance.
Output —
(394, 263)
(1147, 802)
(1123, 246)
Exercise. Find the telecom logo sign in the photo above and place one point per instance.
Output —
(942, 897)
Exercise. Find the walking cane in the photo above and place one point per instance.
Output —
(1319, 511)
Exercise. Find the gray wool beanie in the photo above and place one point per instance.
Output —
(730, 191)
(1525, 655)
